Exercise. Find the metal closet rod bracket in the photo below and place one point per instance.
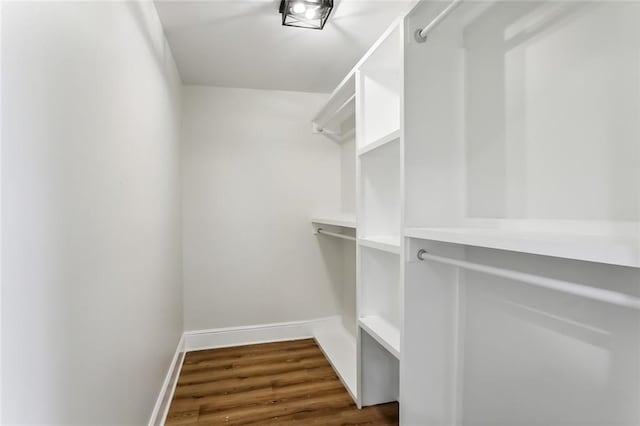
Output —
(335, 234)
(421, 254)
(421, 33)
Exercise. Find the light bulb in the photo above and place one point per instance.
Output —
(310, 13)
(299, 7)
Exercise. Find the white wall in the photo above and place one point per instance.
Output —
(253, 175)
(91, 303)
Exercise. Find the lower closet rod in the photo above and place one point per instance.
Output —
(334, 234)
(601, 295)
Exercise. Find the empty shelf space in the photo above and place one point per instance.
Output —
(387, 243)
(345, 220)
(391, 137)
(383, 332)
(612, 249)
(339, 346)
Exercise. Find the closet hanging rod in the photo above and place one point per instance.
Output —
(421, 34)
(334, 234)
(601, 295)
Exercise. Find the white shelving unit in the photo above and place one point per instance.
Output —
(505, 147)
(379, 194)
(522, 184)
(363, 114)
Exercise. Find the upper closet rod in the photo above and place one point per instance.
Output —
(421, 34)
(334, 234)
(338, 110)
(601, 295)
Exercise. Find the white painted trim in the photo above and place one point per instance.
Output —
(161, 408)
(252, 334)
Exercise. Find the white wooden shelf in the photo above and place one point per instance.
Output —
(611, 249)
(383, 332)
(385, 243)
(393, 136)
(345, 220)
(339, 346)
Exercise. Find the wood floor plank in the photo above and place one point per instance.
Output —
(248, 350)
(252, 370)
(235, 384)
(285, 383)
(259, 395)
(261, 412)
(385, 414)
(237, 360)
(262, 360)
(177, 416)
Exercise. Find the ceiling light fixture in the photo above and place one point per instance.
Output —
(305, 13)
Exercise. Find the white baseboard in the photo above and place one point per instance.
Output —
(161, 409)
(227, 337)
(247, 335)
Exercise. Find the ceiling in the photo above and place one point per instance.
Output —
(242, 43)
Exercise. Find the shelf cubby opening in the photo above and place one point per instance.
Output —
(520, 124)
(379, 372)
(380, 194)
(380, 83)
(485, 334)
(380, 311)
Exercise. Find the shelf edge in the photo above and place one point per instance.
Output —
(616, 254)
(380, 142)
(395, 351)
(379, 245)
(335, 221)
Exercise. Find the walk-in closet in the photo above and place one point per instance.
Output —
(334, 212)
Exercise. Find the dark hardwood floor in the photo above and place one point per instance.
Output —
(287, 383)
